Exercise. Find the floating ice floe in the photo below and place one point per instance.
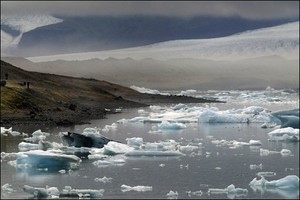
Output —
(172, 195)
(287, 134)
(288, 118)
(39, 192)
(138, 188)
(266, 152)
(230, 191)
(187, 92)
(6, 130)
(7, 188)
(165, 125)
(235, 144)
(44, 159)
(266, 174)
(183, 114)
(253, 167)
(110, 161)
(86, 139)
(194, 194)
(287, 186)
(104, 179)
(113, 148)
(53, 192)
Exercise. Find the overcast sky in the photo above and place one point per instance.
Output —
(245, 9)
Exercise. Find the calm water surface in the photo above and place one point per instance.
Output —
(211, 167)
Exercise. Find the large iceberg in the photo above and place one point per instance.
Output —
(287, 186)
(288, 118)
(46, 159)
(287, 134)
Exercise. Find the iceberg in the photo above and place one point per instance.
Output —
(6, 130)
(287, 134)
(138, 188)
(165, 125)
(172, 195)
(231, 192)
(113, 148)
(46, 159)
(287, 186)
(41, 192)
(85, 139)
(288, 118)
(68, 191)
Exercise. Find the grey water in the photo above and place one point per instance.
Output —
(212, 167)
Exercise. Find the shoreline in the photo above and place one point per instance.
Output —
(83, 114)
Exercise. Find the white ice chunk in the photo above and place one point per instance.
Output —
(253, 167)
(138, 188)
(41, 192)
(179, 106)
(104, 179)
(113, 148)
(135, 142)
(285, 134)
(7, 188)
(172, 195)
(6, 130)
(195, 194)
(188, 148)
(24, 146)
(266, 174)
(81, 193)
(285, 152)
(290, 182)
(46, 159)
(165, 125)
(231, 192)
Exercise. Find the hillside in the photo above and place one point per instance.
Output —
(65, 100)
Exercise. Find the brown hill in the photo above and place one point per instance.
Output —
(66, 100)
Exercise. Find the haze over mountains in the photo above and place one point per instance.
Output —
(192, 53)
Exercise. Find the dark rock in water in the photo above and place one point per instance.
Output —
(80, 140)
(3, 83)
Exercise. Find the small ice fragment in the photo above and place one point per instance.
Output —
(285, 152)
(196, 193)
(62, 171)
(218, 168)
(266, 174)
(253, 167)
(7, 188)
(172, 195)
(104, 179)
(138, 188)
(162, 165)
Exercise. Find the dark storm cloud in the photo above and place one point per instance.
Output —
(246, 9)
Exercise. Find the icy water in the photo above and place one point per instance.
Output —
(211, 165)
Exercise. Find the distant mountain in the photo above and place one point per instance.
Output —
(94, 33)
(282, 40)
(13, 28)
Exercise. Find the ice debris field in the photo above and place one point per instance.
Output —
(37, 153)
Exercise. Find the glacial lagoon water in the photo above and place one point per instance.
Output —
(215, 164)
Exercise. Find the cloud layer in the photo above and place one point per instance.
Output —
(246, 9)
